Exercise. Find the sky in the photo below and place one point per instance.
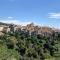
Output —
(40, 12)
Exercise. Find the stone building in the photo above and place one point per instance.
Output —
(6, 29)
(1, 28)
(13, 28)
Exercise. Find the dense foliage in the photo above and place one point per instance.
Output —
(22, 46)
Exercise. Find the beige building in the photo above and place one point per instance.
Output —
(6, 29)
(1, 28)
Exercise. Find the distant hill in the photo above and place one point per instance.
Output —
(3, 23)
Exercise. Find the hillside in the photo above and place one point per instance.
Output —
(29, 42)
(31, 29)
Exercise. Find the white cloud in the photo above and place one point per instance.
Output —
(20, 22)
(10, 17)
(16, 22)
(54, 15)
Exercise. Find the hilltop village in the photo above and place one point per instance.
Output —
(30, 29)
(30, 42)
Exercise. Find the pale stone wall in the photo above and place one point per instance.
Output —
(1, 29)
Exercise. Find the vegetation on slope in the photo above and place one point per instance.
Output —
(22, 46)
